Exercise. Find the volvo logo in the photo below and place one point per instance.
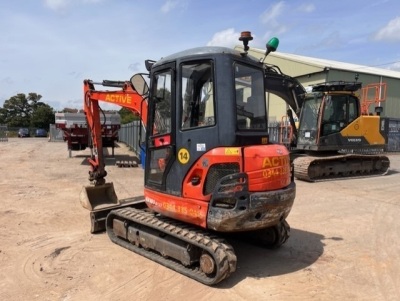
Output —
(354, 139)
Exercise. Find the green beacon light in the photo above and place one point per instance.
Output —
(272, 45)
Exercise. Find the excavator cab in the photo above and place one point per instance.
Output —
(196, 105)
(323, 115)
(208, 120)
(331, 120)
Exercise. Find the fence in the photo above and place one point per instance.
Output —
(55, 134)
(3, 133)
(393, 133)
(129, 134)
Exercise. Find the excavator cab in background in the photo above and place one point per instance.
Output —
(334, 138)
(209, 168)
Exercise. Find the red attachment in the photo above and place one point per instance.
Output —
(75, 130)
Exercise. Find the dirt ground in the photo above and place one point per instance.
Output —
(344, 242)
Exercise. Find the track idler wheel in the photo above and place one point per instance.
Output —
(207, 264)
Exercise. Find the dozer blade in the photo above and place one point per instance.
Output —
(100, 200)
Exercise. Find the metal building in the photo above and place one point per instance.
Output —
(310, 71)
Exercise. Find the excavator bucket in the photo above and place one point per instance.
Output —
(101, 200)
(99, 197)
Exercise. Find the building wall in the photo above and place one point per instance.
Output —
(391, 105)
(276, 108)
(309, 74)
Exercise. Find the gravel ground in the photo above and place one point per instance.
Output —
(343, 244)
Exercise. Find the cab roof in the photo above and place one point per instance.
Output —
(199, 51)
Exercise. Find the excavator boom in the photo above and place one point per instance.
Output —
(125, 97)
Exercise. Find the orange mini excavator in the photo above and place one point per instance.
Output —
(209, 166)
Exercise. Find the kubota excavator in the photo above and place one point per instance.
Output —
(334, 139)
(209, 167)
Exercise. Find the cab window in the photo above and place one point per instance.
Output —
(251, 112)
(197, 95)
(159, 148)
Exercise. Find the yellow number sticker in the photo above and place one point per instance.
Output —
(183, 156)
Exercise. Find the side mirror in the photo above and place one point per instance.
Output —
(139, 84)
(149, 64)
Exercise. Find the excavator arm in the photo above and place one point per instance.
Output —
(126, 96)
(101, 198)
(287, 88)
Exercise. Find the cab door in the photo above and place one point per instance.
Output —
(160, 139)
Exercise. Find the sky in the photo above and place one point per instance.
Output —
(49, 47)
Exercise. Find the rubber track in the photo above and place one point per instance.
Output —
(283, 230)
(302, 165)
(281, 235)
(222, 252)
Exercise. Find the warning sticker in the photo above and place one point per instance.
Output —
(201, 147)
(232, 151)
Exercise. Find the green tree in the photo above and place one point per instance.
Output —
(3, 116)
(127, 116)
(70, 110)
(163, 102)
(26, 111)
(18, 109)
(42, 116)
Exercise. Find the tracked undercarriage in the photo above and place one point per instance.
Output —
(317, 168)
(188, 250)
(180, 247)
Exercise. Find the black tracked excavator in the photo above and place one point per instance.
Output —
(333, 139)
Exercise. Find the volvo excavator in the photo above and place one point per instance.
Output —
(210, 169)
(334, 139)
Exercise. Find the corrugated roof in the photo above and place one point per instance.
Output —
(323, 63)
